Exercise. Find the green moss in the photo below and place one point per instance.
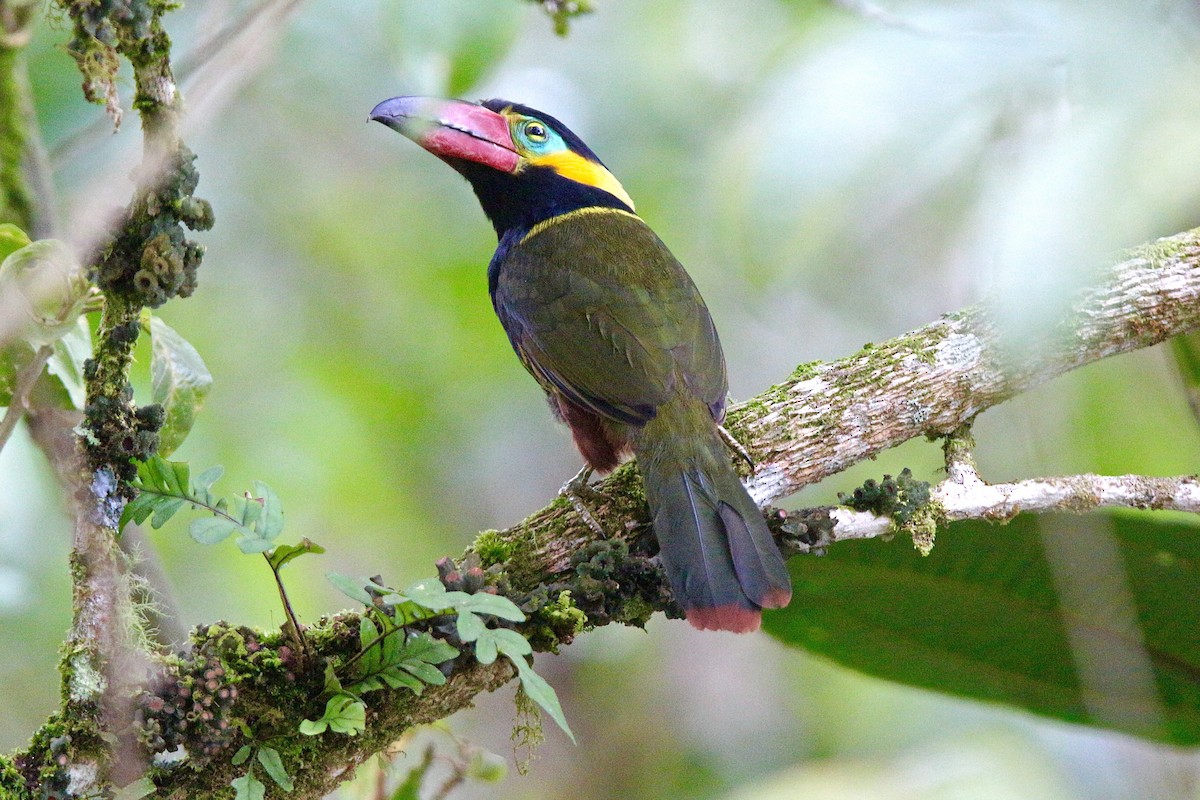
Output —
(922, 525)
(55, 748)
(563, 613)
(492, 548)
(899, 498)
(527, 732)
(1167, 249)
(12, 785)
(959, 446)
(803, 372)
(806, 530)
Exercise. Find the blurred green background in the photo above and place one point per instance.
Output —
(830, 174)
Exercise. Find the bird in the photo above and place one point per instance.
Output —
(615, 332)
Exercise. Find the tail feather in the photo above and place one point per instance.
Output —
(716, 549)
(756, 559)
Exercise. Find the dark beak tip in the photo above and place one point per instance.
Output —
(395, 107)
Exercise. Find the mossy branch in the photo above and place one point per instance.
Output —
(147, 261)
(827, 417)
(823, 418)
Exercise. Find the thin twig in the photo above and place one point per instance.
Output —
(974, 499)
(72, 146)
(19, 404)
(293, 622)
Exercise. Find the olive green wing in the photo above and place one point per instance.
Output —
(599, 310)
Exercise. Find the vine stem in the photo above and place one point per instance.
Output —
(295, 629)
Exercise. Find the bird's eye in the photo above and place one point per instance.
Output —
(535, 132)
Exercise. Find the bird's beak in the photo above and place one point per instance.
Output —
(452, 129)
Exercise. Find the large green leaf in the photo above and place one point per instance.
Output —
(1090, 619)
(180, 382)
(1187, 360)
(65, 365)
(12, 239)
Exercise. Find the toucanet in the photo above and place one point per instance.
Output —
(616, 333)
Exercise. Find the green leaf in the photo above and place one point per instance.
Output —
(182, 480)
(1089, 619)
(351, 587)
(142, 787)
(210, 530)
(273, 764)
(343, 714)
(427, 673)
(409, 664)
(206, 479)
(410, 789)
(367, 634)
(45, 289)
(541, 693)
(179, 380)
(332, 684)
(138, 509)
(242, 755)
(286, 552)
(430, 593)
(485, 648)
(511, 643)
(12, 239)
(313, 727)
(270, 523)
(12, 358)
(251, 544)
(164, 510)
(248, 787)
(66, 362)
(486, 767)
(470, 626)
(166, 477)
(1187, 361)
(493, 604)
(350, 717)
(247, 510)
(397, 678)
(424, 647)
(500, 640)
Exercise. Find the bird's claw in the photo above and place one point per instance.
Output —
(572, 490)
(736, 446)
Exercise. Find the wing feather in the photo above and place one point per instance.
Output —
(600, 311)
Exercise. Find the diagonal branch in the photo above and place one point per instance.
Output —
(827, 417)
(823, 418)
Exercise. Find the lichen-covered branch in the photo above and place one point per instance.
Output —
(147, 260)
(952, 501)
(824, 418)
(931, 381)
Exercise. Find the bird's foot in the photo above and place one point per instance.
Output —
(736, 446)
(573, 491)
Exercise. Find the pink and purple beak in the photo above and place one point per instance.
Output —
(452, 129)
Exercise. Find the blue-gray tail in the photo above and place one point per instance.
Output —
(719, 556)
